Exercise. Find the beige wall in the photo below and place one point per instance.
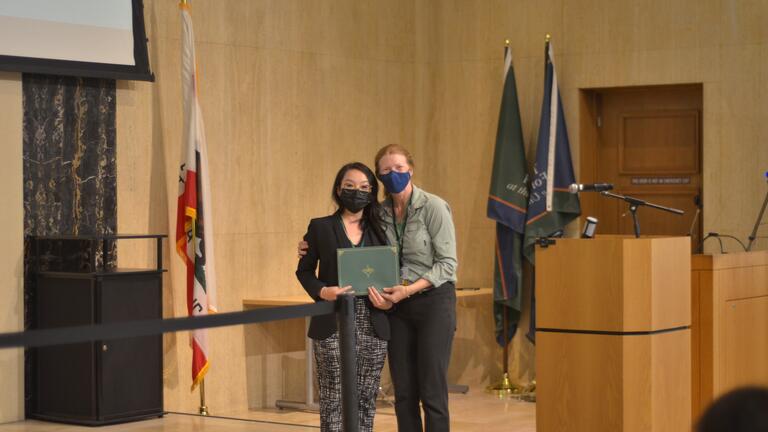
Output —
(292, 89)
(598, 43)
(12, 241)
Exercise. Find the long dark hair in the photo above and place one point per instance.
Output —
(371, 212)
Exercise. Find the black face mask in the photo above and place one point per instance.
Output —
(354, 200)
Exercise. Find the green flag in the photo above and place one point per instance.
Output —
(507, 202)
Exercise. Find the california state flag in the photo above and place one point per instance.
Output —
(194, 226)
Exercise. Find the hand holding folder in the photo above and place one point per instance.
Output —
(376, 266)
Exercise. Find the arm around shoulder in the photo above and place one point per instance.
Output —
(306, 270)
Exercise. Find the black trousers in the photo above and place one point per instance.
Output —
(422, 329)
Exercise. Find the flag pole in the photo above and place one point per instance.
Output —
(505, 321)
(529, 393)
(504, 387)
(203, 408)
(505, 351)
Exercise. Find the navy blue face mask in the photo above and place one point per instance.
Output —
(395, 181)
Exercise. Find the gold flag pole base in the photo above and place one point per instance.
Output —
(203, 408)
(504, 387)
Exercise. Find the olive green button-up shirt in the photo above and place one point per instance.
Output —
(428, 241)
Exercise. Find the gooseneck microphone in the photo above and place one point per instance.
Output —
(697, 203)
(589, 187)
(753, 236)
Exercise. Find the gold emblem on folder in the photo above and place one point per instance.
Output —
(368, 270)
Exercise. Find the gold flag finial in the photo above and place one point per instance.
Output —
(506, 42)
(183, 2)
(547, 37)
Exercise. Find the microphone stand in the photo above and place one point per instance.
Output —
(634, 203)
(699, 245)
(753, 236)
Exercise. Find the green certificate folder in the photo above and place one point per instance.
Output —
(376, 266)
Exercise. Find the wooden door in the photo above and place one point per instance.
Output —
(647, 142)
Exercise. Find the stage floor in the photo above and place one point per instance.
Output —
(471, 412)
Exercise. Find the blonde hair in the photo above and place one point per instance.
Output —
(392, 149)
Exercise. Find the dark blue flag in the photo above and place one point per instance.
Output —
(550, 205)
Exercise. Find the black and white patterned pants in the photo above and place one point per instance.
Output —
(371, 352)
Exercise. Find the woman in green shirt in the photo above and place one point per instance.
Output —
(423, 322)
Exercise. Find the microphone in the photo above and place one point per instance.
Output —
(589, 187)
(589, 228)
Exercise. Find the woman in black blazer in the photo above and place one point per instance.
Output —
(356, 223)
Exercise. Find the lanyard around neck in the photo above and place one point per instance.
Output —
(398, 235)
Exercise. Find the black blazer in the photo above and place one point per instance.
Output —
(325, 235)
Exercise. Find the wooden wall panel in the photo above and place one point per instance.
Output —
(292, 89)
(643, 284)
(597, 44)
(644, 149)
(614, 383)
(696, 341)
(746, 342)
(284, 79)
(730, 325)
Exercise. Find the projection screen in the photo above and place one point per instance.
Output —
(90, 38)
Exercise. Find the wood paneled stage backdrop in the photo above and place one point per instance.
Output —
(292, 89)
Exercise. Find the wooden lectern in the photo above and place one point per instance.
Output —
(613, 350)
(729, 324)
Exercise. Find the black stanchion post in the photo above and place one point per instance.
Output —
(345, 315)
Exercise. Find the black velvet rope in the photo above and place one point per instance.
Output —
(67, 335)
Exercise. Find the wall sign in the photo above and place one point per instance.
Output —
(661, 180)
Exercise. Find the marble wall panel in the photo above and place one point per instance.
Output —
(12, 239)
(69, 155)
(69, 163)
(69, 148)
